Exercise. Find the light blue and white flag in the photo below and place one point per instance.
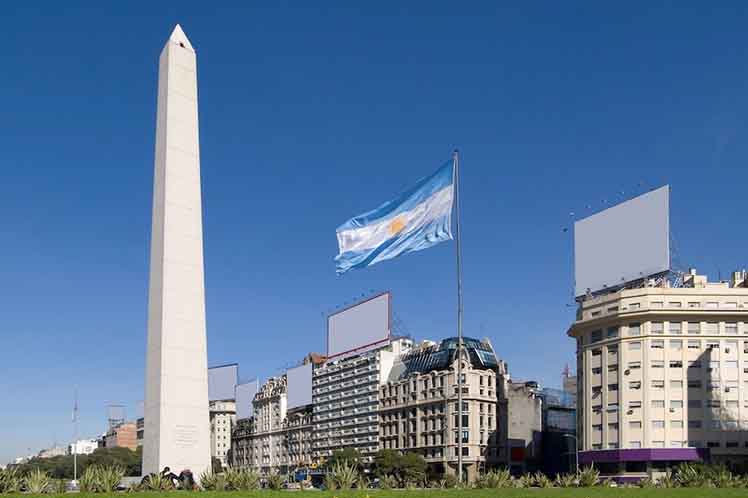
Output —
(417, 219)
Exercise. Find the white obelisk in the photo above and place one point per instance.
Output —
(176, 384)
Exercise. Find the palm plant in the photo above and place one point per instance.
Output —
(495, 479)
(241, 480)
(588, 477)
(691, 476)
(157, 482)
(525, 481)
(211, 481)
(541, 480)
(344, 475)
(387, 482)
(10, 481)
(275, 481)
(667, 481)
(329, 482)
(362, 481)
(110, 477)
(566, 480)
(89, 481)
(37, 482)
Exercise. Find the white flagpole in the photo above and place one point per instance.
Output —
(75, 440)
(458, 246)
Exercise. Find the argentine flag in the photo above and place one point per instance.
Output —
(417, 219)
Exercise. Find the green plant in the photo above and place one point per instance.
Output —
(37, 482)
(525, 481)
(449, 481)
(344, 475)
(667, 481)
(275, 481)
(387, 482)
(110, 477)
(647, 482)
(241, 480)
(210, 481)
(10, 481)
(89, 481)
(495, 479)
(566, 480)
(691, 476)
(541, 480)
(362, 481)
(329, 482)
(156, 482)
(588, 477)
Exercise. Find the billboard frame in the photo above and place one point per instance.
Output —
(365, 346)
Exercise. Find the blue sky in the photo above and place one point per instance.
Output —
(310, 115)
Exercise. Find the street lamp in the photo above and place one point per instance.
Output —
(576, 450)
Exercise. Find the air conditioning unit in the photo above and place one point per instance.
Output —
(627, 371)
(630, 412)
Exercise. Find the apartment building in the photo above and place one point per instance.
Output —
(222, 419)
(419, 410)
(663, 376)
(276, 439)
(345, 396)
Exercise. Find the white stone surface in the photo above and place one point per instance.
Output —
(177, 431)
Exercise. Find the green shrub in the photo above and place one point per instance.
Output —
(566, 480)
(37, 482)
(588, 477)
(495, 479)
(344, 475)
(241, 480)
(211, 481)
(275, 481)
(541, 480)
(157, 482)
(329, 482)
(387, 482)
(449, 481)
(10, 481)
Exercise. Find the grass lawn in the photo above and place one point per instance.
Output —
(454, 493)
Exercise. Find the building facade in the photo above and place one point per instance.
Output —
(345, 398)
(122, 436)
(418, 406)
(275, 439)
(222, 420)
(520, 425)
(663, 376)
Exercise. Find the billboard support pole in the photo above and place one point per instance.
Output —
(458, 254)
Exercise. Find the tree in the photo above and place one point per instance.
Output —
(412, 468)
(387, 463)
(348, 456)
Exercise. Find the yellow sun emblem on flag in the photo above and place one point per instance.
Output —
(397, 225)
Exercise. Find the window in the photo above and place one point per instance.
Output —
(676, 345)
(597, 427)
(612, 332)
(711, 328)
(658, 384)
(694, 327)
(658, 424)
(658, 403)
(694, 304)
(731, 444)
(635, 444)
(657, 344)
(658, 364)
(635, 329)
(658, 328)
(694, 364)
(613, 368)
(731, 328)
(675, 328)
(713, 444)
(597, 352)
(635, 404)
(612, 446)
(712, 305)
(635, 365)
(694, 403)
(656, 304)
(612, 309)
(597, 371)
(635, 424)
(676, 384)
(597, 335)
(676, 444)
(635, 384)
(676, 404)
(634, 306)
(613, 426)
(731, 364)
(676, 364)
(694, 424)
(658, 444)
(635, 346)
(694, 344)
(675, 304)
(732, 403)
(612, 407)
(612, 387)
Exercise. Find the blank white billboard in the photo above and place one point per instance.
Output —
(358, 326)
(626, 242)
(245, 393)
(299, 386)
(222, 381)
